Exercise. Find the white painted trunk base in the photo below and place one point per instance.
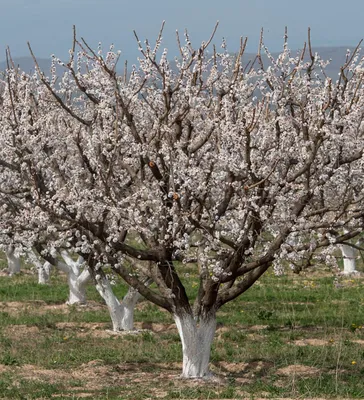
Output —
(44, 273)
(122, 314)
(76, 277)
(77, 286)
(196, 345)
(43, 268)
(76, 293)
(13, 261)
(115, 309)
(349, 258)
(129, 302)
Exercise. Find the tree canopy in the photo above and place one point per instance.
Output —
(211, 160)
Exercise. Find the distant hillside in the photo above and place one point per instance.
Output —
(27, 64)
(337, 54)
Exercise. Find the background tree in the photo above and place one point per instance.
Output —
(13, 260)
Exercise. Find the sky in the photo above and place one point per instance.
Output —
(47, 24)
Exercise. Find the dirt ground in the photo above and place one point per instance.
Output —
(151, 378)
(95, 375)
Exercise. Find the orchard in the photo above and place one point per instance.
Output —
(201, 164)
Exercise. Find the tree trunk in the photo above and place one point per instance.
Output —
(122, 314)
(196, 344)
(115, 308)
(13, 261)
(77, 286)
(76, 279)
(44, 272)
(349, 258)
(43, 268)
(129, 302)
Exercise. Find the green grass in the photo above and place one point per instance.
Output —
(26, 389)
(256, 339)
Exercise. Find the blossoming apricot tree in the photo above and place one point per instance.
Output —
(210, 160)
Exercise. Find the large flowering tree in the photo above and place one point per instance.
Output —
(228, 165)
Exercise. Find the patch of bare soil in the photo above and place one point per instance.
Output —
(321, 342)
(152, 377)
(244, 373)
(85, 329)
(101, 330)
(80, 325)
(41, 307)
(89, 306)
(255, 337)
(95, 376)
(297, 369)
(146, 305)
(21, 332)
(98, 330)
(257, 327)
(16, 307)
(33, 372)
(155, 327)
(79, 395)
(312, 342)
(4, 368)
(226, 367)
(5, 272)
(155, 379)
(238, 368)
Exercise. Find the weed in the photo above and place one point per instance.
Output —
(9, 359)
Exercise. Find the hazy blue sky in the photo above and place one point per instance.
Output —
(47, 24)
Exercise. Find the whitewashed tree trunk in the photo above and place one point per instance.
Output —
(129, 302)
(349, 258)
(44, 273)
(76, 278)
(122, 314)
(196, 344)
(116, 310)
(13, 261)
(43, 268)
(69, 260)
(77, 282)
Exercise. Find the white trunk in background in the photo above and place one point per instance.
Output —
(122, 314)
(44, 273)
(129, 302)
(115, 308)
(76, 278)
(349, 258)
(69, 260)
(77, 284)
(196, 344)
(43, 268)
(13, 261)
